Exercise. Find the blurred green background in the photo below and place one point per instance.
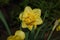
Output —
(12, 8)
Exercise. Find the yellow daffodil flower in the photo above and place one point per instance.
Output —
(30, 17)
(19, 35)
(58, 28)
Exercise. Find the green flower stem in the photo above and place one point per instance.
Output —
(5, 23)
(32, 34)
(56, 23)
(27, 35)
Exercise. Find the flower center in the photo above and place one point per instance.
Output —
(30, 19)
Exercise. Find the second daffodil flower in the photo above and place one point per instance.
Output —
(19, 35)
(30, 17)
(58, 27)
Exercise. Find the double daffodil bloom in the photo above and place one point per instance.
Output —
(58, 28)
(30, 17)
(19, 35)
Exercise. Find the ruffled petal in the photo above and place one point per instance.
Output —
(20, 16)
(30, 27)
(10, 38)
(20, 34)
(24, 25)
(15, 37)
(39, 21)
(27, 11)
(37, 12)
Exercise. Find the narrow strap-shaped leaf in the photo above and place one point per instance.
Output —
(27, 35)
(39, 30)
(5, 23)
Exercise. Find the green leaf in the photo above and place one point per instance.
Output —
(5, 23)
(39, 30)
(27, 35)
(32, 34)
